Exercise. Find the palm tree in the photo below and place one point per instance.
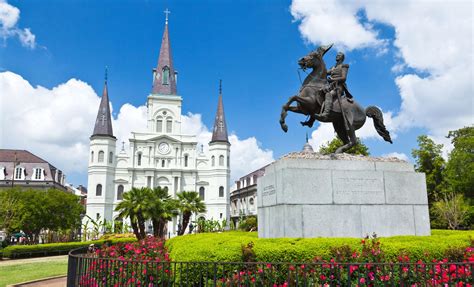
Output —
(161, 208)
(189, 203)
(134, 207)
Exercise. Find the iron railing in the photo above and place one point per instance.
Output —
(87, 270)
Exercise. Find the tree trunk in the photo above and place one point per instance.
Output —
(135, 229)
(186, 217)
(141, 226)
(156, 227)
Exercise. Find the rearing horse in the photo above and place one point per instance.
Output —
(346, 117)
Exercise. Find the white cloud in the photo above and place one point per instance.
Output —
(431, 37)
(9, 16)
(325, 22)
(52, 123)
(398, 155)
(56, 124)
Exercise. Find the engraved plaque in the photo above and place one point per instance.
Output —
(358, 187)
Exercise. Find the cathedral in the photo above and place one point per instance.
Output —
(161, 156)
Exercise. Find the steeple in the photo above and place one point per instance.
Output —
(164, 76)
(219, 133)
(103, 123)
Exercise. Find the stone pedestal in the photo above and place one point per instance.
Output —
(310, 195)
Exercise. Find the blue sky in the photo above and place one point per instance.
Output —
(253, 46)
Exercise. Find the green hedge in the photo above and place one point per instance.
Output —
(23, 251)
(227, 246)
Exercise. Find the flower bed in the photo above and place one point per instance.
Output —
(147, 263)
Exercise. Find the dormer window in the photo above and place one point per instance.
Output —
(166, 75)
(19, 173)
(38, 174)
(2, 173)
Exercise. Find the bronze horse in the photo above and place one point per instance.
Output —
(346, 116)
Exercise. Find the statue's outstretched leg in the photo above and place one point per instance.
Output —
(284, 112)
(352, 140)
(324, 116)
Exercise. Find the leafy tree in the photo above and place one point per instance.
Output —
(452, 210)
(330, 147)
(459, 171)
(161, 208)
(429, 160)
(35, 210)
(189, 203)
(134, 206)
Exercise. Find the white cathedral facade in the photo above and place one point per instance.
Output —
(161, 156)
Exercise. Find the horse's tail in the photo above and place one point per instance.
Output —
(376, 114)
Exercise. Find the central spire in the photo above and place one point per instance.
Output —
(164, 75)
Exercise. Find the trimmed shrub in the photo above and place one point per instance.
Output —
(227, 247)
(38, 250)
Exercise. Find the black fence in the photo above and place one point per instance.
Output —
(87, 270)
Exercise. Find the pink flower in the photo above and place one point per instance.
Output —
(362, 280)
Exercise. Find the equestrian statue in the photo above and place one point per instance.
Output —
(324, 96)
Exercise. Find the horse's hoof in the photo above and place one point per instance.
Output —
(284, 127)
(304, 123)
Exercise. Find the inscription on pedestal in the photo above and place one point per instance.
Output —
(268, 190)
(358, 187)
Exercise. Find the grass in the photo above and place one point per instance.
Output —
(24, 271)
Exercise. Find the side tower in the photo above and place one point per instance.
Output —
(101, 171)
(219, 152)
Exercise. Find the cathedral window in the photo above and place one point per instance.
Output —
(166, 75)
(120, 192)
(228, 161)
(213, 160)
(19, 173)
(101, 156)
(186, 161)
(221, 191)
(169, 125)
(202, 192)
(162, 163)
(98, 190)
(92, 156)
(221, 160)
(159, 125)
(111, 157)
(139, 159)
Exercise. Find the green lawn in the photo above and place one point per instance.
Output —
(21, 272)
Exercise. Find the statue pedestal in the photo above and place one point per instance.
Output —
(311, 195)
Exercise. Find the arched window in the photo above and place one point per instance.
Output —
(111, 157)
(101, 156)
(120, 192)
(202, 192)
(139, 159)
(159, 125)
(162, 163)
(213, 160)
(186, 161)
(221, 191)
(251, 201)
(221, 160)
(169, 125)
(98, 190)
(92, 156)
(166, 75)
(228, 161)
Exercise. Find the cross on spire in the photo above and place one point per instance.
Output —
(166, 13)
